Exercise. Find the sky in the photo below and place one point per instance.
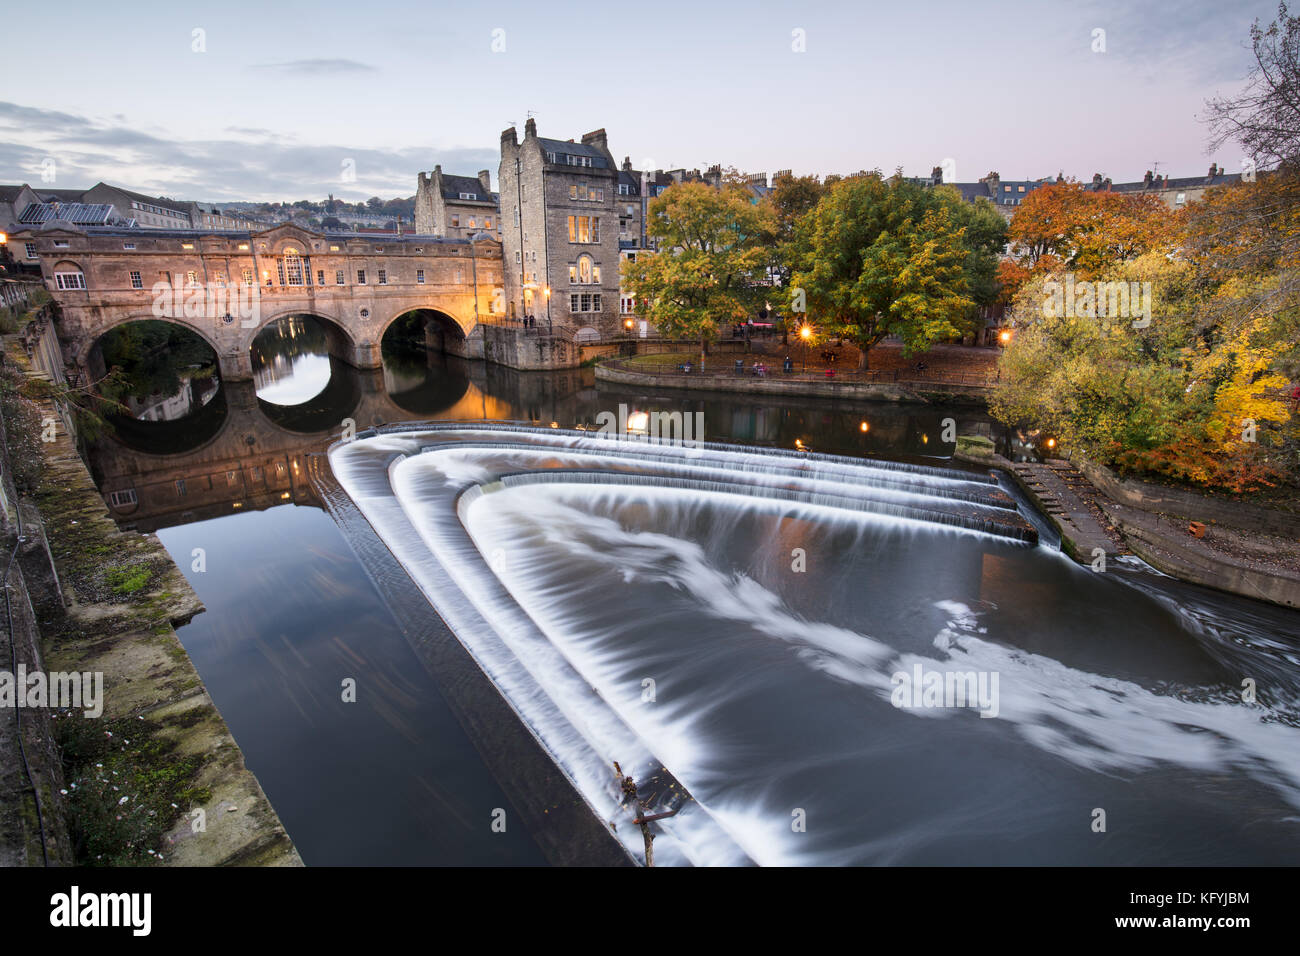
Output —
(290, 100)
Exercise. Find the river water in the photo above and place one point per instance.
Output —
(645, 606)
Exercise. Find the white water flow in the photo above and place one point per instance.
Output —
(742, 617)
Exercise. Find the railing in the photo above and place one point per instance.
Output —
(723, 368)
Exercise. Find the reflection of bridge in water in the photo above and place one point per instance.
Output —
(256, 454)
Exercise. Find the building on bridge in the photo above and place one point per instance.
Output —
(227, 287)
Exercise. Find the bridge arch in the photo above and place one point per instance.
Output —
(441, 331)
(97, 333)
(342, 342)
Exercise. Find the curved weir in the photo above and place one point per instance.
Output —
(755, 632)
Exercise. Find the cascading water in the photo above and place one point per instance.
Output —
(754, 621)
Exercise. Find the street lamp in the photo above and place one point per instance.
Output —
(1004, 338)
(473, 261)
(805, 333)
(546, 290)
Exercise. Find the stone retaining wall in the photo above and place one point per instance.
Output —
(938, 392)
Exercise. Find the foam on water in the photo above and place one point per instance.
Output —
(570, 660)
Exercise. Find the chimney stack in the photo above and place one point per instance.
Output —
(485, 178)
(530, 128)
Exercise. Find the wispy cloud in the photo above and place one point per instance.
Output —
(251, 164)
(318, 67)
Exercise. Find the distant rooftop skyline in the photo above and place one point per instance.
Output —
(355, 100)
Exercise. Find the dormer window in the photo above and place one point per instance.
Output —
(469, 195)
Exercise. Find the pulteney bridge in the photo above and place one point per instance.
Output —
(227, 287)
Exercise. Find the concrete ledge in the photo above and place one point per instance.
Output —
(1189, 504)
(1167, 553)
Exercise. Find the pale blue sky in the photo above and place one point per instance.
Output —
(286, 92)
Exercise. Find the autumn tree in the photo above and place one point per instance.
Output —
(715, 246)
(880, 257)
(1065, 225)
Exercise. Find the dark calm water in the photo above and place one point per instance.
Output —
(1118, 689)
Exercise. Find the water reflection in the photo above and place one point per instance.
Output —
(291, 361)
(165, 379)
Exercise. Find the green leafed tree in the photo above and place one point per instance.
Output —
(715, 247)
(879, 257)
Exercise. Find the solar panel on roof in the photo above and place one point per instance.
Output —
(77, 213)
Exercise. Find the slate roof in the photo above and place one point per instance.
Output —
(453, 186)
(152, 200)
(631, 179)
(565, 148)
(1183, 182)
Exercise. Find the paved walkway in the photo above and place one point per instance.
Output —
(1064, 494)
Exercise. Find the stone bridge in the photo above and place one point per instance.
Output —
(227, 287)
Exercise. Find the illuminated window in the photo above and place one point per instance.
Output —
(584, 229)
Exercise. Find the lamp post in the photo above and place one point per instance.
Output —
(805, 333)
(473, 261)
(546, 291)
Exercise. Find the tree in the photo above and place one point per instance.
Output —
(1265, 117)
(1064, 224)
(714, 250)
(985, 236)
(876, 258)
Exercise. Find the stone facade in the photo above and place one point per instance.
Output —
(560, 231)
(456, 206)
(359, 284)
